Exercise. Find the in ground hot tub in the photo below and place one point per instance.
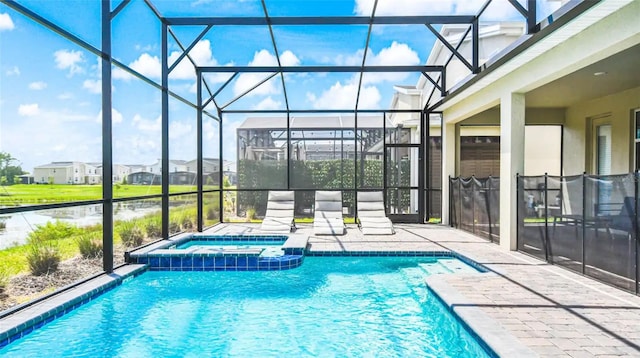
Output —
(224, 253)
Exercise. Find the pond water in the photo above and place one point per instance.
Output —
(19, 225)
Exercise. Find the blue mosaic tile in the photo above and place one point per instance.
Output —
(198, 262)
(230, 261)
(154, 261)
(15, 337)
(217, 261)
(208, 261)
(187, 261)
(165, 262)
(241, 262)
(176, 262)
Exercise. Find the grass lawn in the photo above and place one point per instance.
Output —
(47, 193)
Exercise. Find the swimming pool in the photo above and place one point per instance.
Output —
(330, 306)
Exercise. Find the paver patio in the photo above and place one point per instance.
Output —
(549, 310)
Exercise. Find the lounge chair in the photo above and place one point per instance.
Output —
(327, 219)
(279, 215)
(372, 218)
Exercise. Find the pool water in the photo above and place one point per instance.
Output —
(328, 307)
(237, 243)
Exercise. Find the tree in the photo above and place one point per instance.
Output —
(9, 171)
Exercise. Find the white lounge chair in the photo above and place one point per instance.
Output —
(279, 215)
(372, 218)
(327, 219)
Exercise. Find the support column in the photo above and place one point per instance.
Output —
(512, 111)
(448, 165)
(107, 142)
(165, 133)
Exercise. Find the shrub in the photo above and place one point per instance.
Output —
(4, 279)
(43, 258)
(154, 227)
(52, 231)
(90, 245)
(251, 213)
(211, 213)
(131, 234)
(174, 227)
(187, 223)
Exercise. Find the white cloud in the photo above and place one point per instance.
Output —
(341, 96)
(28, 110)
(69, 60)
(498, 10)
(65, 96)
(268, 103)
(147, 65)
(263, 58)
(209, 129)
(149, 125)
(150, 67)
(403, 7)
(397, 54)
(15, 71)
(6, 24)
(180, 129)
(201, 54)
(37, 86)
(94, 86)
(116, 117)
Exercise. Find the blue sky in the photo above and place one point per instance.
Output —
(50, 101)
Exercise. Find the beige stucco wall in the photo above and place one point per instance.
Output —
(533, 116)
(619, 108)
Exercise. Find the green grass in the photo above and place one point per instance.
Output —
(14, 260)
(44, 193)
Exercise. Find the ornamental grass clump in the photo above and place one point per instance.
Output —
(44, 254)
(4, 280)
(187, 223)
(43, 257)
(131, 234)
(90, 245)
(154, 228)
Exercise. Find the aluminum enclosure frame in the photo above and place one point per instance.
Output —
(435, 74)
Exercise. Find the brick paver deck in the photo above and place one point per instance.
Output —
(551, 311)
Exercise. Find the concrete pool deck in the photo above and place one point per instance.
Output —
(550, 311)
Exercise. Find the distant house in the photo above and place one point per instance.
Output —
(174, 167)
(64, 173)
(119, 171)
(26, 179)
(229, 171)
(144, 178)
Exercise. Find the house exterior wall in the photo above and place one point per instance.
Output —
(59, 175)
(120, 172)
(578, 149)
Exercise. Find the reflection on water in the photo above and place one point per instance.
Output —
(18, 226)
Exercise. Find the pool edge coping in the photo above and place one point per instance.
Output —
(499, 341)
(23, 322)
